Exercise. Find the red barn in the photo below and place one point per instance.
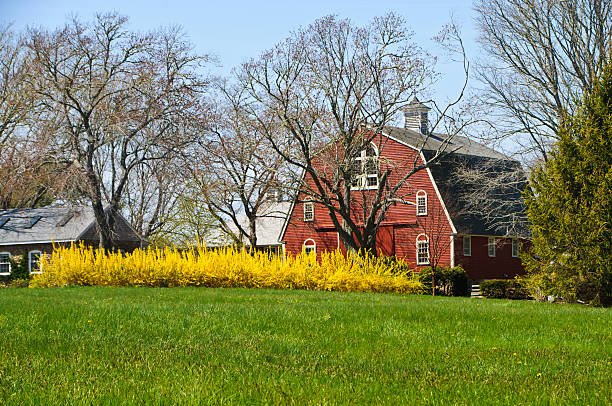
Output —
(435, 228)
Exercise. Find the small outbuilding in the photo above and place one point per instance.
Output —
(33, 232)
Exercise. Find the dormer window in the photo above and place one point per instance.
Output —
(421, 203)
(364, 173)
(309, 211)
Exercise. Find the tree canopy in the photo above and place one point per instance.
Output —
(570, 204)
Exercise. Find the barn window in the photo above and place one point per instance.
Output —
(515, 247)
(364, 174)
(421, 201)
(34, 261)
(491, 246)
(310, 246)
(308, 211)
(5, 263)
(467, 246)
(422, 246)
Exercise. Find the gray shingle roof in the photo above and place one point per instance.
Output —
(48, 228)
(57, 224)
(433, 142)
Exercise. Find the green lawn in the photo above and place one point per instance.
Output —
(196, 345)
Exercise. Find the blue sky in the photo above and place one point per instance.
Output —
(237, 30)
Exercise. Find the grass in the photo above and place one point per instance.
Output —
(218, 346)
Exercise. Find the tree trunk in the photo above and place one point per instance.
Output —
(253, 234)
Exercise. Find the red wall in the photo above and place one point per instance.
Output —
(399, 230)
(480, 266)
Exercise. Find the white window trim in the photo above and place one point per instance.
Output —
(313, 245)
(311, 205)
(418, 240)
(39, 262)
(421, 194)
(515, 253)
(363, 177)
(9, 263)
(469, 252)
(491, 243)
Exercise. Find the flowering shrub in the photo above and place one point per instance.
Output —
(226, 267)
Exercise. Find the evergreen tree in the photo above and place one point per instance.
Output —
(570, 205)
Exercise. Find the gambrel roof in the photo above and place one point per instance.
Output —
(465, 154)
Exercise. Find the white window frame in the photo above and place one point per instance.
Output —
(515, 247)
(467, 243)
(363, 176)
(6, 263)
(421, 203)
(312, 211)
(491, 247)
(419, 241)
(40, 254)
(308, 248)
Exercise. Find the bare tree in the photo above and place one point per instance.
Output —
(16, 103)
(152, 192)
(124, 99)
(541, 57)
(27, 175)
(239, 170)
(334, 88)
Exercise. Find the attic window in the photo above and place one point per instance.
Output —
(3, 221)
(64, 220)
(364, 173)
(33, 221)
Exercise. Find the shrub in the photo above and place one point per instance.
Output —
(19, 283)
(19, 269)
(222, 268)
(449, 281)
(504, 289)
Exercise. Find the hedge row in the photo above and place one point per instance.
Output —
(503, 289)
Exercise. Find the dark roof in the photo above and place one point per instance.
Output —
(462, 154)
(434, 142)
(46, 224)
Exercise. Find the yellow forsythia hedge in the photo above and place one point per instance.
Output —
(75, 265)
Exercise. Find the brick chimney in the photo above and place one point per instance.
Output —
(415, 116)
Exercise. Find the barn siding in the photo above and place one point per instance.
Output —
(480, 266)
(400, 228)
(399, 231)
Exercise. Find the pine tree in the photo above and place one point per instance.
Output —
(570, 205)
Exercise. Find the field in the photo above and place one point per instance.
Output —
(93, 345)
